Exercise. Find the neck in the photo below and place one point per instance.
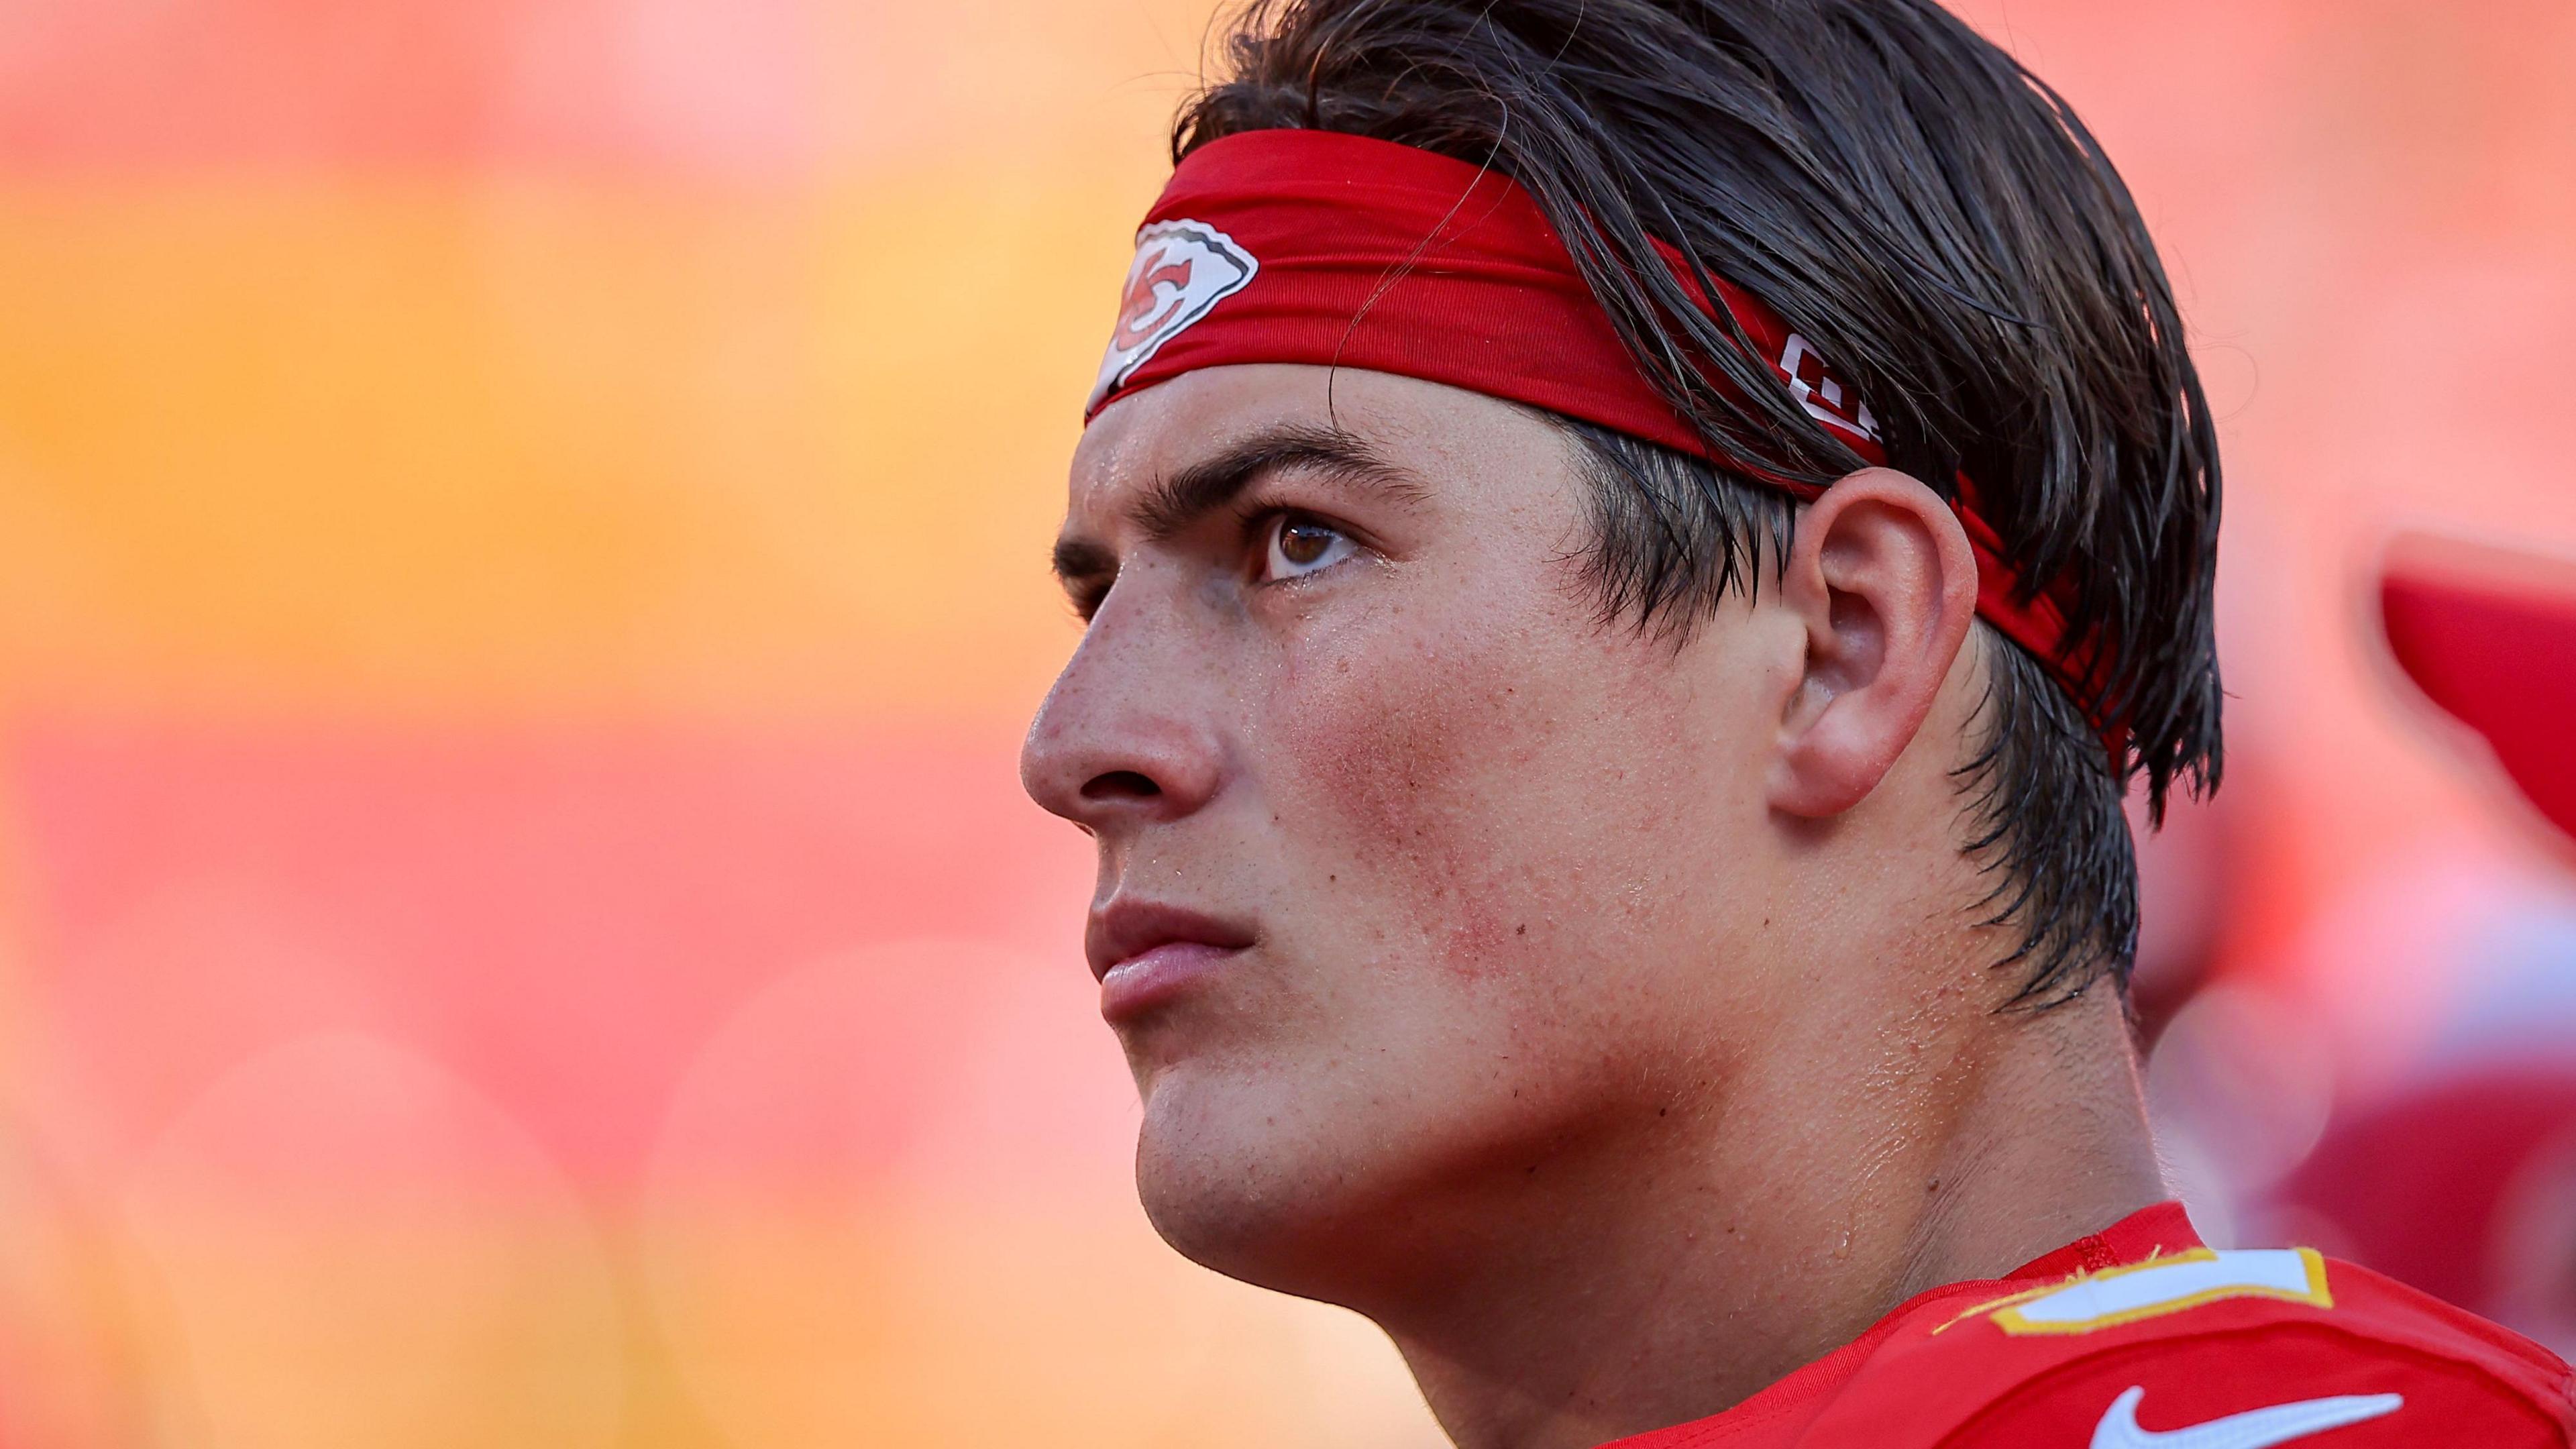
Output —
(1673, 1278)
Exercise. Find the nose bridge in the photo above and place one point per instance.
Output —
(1134, 726)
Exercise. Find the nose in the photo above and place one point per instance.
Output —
(1127, 736)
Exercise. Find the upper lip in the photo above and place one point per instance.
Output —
(1124, 929)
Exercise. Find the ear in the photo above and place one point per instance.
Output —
(1881, 573)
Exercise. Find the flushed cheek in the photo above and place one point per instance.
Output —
(1367, 771)
(1449, 800)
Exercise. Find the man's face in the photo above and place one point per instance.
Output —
(1418, 878)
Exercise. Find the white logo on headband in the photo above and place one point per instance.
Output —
(1821, 393)
(1182, 269)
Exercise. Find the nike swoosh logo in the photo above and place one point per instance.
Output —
(2254, 1429)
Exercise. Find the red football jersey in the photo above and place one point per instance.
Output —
(2141, 1338)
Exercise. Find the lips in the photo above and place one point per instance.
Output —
(1145, 954)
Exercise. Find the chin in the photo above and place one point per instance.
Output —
(1240, 1177)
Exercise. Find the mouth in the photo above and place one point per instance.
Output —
(1146, 954)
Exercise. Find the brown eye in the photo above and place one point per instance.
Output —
(1303, 543)
(1300, 546)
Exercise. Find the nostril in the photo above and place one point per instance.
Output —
(1120, 785)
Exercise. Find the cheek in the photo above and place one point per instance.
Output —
(1391, 757)
(1483, 796)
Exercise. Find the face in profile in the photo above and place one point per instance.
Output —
(1419, 880)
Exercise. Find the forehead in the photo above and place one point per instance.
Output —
(1442, 434)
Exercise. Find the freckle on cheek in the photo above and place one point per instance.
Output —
(1395, 771)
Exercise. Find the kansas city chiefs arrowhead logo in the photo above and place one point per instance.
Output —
(1182, 269)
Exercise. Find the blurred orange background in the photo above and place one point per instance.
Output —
(522, 531)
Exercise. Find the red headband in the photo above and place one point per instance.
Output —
(1336, 250)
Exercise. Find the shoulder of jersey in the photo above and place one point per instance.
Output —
(2203, 1350)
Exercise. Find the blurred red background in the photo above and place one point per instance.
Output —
(522, 538)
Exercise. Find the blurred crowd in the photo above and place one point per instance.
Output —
(2405, 1097)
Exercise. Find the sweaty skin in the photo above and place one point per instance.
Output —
(1605, 1012)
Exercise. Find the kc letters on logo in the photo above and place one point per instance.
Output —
(1182, 269)
(1821, 393)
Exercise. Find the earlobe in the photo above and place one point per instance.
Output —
(1881, 573)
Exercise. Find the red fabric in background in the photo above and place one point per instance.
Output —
(2499, 654)
(2414, 1184)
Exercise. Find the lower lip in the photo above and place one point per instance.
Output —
(1147, 980)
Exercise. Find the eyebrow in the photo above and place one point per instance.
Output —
(1180, 499)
